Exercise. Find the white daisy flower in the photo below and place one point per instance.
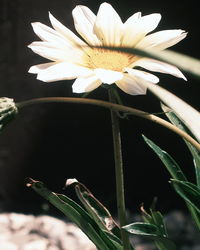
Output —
(72, 58)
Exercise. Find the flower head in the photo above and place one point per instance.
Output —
(72, 58)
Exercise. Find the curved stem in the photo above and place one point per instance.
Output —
(114, 106)
(119, 175)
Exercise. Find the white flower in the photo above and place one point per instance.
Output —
(72, 58)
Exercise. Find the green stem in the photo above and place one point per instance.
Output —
(119, 172)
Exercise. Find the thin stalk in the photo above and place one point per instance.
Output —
(121, 209)
(116, 107)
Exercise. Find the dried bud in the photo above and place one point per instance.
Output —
(8, 111)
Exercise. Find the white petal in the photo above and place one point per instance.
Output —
(132, 19)
(86, 84)
(43, 49)
(131, 85)
(137, 27)
(62, 71)
(64, 31)
(108, 76)
(159, 66)
(37, 68)
(162, 39)
(54, 53)
(143, 75)
(47, 34)
(108, 25)
(84, 20)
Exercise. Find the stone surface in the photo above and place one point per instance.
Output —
(28, 232)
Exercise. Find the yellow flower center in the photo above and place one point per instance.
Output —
(107, 59)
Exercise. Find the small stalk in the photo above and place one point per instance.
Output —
(121, 209)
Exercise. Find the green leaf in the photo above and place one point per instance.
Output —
(195, 153)
(95, 208)
(150, 231)
(189, 115)
(171, 165)
(176, 173)
(152, 228)
(158, 221)
(79, 216)
(155, 218)
(142, 229)
(189, 192)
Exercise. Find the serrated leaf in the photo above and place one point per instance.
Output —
(171, 165)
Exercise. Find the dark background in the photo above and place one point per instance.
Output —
(53, 142)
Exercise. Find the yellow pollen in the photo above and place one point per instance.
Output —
(106, 59)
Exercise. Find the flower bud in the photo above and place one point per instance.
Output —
(8, 111)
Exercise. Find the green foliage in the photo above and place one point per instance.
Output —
(195, 153)
(171, 165)
(153, 228)
(188, 191)
(103, 239)
(96, 209)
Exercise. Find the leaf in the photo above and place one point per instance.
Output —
(176, 173)
(158, 221)
(196, 158)
(150, 231)
(155, 218)
(188, 191)
(142, 229)
(95, 208)
(153, 228)
(76, 214)
(189, 115)
(171, 165)
(195, 153)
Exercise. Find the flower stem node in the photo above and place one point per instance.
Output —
(8, 111)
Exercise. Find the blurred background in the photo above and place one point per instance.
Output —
(54, 142)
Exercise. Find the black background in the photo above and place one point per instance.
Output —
(53, 142)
